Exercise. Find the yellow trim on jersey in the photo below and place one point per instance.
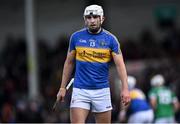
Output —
(135, 94)
(93, 54)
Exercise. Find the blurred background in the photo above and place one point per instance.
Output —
(34, 36)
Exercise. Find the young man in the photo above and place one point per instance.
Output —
(91, 50)
(163, 100)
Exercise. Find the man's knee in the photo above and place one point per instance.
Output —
(103, 117)
(78, 115)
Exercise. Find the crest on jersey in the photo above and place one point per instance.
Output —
(102, 43)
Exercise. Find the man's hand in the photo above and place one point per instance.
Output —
(61, 94)
(125, 98)
(60, 97)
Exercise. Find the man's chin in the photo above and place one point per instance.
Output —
(94, 30)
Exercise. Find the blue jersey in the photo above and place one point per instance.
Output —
(138, 101)
(93, 54)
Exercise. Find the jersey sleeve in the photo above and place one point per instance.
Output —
(115, 45)
(71, 43)
(152, 94)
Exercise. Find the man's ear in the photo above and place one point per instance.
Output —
(85, 22)
(102, 19)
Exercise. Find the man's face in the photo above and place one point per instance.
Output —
(93, 22)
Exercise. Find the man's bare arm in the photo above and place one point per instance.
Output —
(68, 68)
(67, 72)
(121, 69)
(153, 102)
(120, 66)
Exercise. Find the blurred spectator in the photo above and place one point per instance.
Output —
(34, 112)
(7, 114)
(21, 112)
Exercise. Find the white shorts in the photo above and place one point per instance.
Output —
(165, 120)
(98, 100)
(142, 117)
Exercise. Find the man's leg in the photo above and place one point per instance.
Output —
(78, 115)
(103, 117)
(101, 105)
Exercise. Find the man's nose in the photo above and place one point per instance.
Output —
(92, 19)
